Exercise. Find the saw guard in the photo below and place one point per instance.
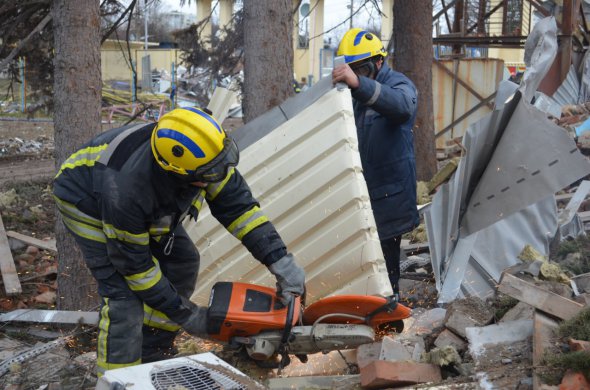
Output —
(356, 305)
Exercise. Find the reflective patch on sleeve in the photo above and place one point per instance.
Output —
(125, 236)
(198, 202)
(145, 280)
(247, 222)
(159, 320)
(83, 157)
(214, 189)
(375, 96)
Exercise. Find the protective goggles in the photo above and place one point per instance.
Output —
(365, 68)
(216, 170)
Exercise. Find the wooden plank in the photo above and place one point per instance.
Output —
(584, 216)
(543, 332)
(45, 245)
(539, 298)
(7, 267)
(51, 316)
(414, 249)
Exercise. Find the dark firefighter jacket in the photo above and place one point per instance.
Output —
(385, 112)
(115, 179)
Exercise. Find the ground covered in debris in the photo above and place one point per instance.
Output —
(446, 346)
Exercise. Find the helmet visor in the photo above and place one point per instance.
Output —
(216, 170)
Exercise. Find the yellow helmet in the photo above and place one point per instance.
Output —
(190, 143)
(358, 44)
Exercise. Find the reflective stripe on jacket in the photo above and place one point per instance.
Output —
(125, 198)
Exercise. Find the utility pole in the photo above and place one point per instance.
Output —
(145, 24)
(351, 12)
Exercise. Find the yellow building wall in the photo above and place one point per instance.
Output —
(115, 66)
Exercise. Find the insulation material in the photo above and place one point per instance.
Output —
(306, 173)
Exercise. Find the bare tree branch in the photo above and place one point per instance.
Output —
(15, 51)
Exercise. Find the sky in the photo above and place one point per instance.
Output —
(335, 11)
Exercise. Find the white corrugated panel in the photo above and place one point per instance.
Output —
(307, 176)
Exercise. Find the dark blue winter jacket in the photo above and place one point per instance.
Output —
(385, 112)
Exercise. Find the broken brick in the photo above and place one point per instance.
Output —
(579, 345)
(47, 297)
(574, 381)
(448, 338)
(380, 374)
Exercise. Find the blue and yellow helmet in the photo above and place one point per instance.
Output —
(192, 144)
(358, 44)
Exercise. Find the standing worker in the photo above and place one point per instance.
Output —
(124, 196)
(384, 103)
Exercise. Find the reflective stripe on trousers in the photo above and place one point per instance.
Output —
(122, 316)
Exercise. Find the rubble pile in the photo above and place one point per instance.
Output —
(39, 147)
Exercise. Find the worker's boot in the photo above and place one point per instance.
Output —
(157, 345)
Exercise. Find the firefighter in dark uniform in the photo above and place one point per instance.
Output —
(124, 196)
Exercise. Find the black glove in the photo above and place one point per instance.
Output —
(290, 278)
(196, 323)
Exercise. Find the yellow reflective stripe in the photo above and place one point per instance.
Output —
(156, 231)
(103, 332)
(157, 319)
(71, 210)
(122, 235)
(86, 156)
(144, 280)
(247, 222)
(104, 366)
(214, 189)
(83, 230)
(198, 202)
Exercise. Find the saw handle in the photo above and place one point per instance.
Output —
(285, 360)
(389, 307)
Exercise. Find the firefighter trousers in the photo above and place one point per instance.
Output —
(131, 332)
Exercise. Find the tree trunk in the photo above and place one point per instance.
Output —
(268, 55)
(77, 99)
(412, 33)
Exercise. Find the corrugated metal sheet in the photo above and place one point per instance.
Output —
(307, 175)
(482, 74)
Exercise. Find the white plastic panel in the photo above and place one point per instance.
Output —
(307, 176)
(139, 377)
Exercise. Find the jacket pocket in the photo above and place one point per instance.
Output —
(386, 191)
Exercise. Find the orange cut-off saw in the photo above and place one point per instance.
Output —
(251, 317)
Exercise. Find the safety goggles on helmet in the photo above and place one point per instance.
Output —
(217, 169)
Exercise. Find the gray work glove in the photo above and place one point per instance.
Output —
(196, 323)
(290, 278)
